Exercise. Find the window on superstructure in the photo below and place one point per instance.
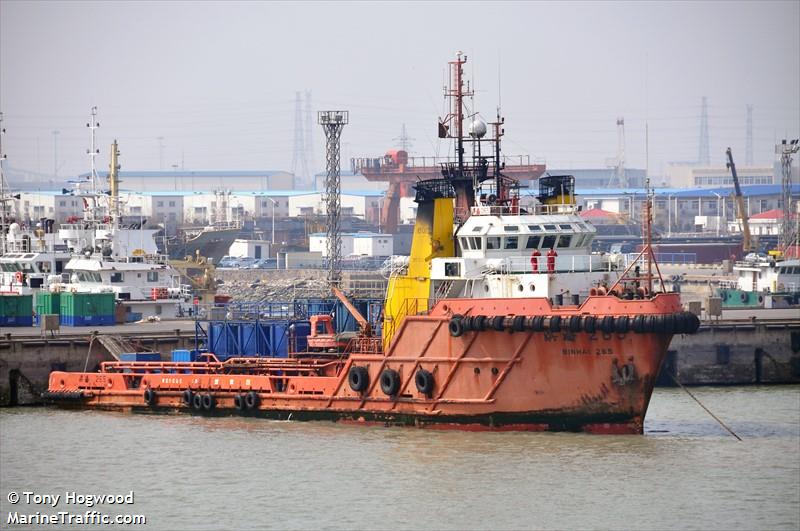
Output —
(549, 241)
(535, 228)
(117, 277)
(493, 242)
(565, 241)
(533, 242)
(512, 242)
(511, 228)
(152, 276)
(565, 227)
(550, 227)
(477, 243)
(477, 228)
(465, 244)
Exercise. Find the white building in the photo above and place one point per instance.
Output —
(257, 249)
(31, 206)
(188, 181)
(365, 205)
(156, 207)
(355, 244)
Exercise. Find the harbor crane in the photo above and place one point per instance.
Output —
(747, 241)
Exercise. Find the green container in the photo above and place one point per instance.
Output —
(16, 305)
(87, 304)
(48, 303)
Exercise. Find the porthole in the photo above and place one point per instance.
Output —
(521, 287)
(486, 288)
(477, 370)
(532, 287)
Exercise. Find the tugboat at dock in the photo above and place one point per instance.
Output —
(502, 319)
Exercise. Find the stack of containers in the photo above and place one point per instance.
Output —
(87, 309)
(16, 310)
(47, 304)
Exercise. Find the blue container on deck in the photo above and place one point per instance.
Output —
(270, 338)
(140, 356)
(184, 355)
(133, 317)
(89, 320)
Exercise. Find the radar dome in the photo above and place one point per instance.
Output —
(477, 129)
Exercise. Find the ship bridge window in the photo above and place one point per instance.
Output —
(512, 242)
(452, 269)
(89, 276)
(533, 242)
(477, 243)
(549, 242)
(493, 242)
(565, 226)
(580, 239)
(511, 228)
(152, 276)
(117, 277)
(477, 228)
(535, 228)
(565, 240)
(464, 244)
(550, 227)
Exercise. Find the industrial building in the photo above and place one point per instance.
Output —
(355, 244)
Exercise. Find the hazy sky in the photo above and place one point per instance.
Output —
(218, 81)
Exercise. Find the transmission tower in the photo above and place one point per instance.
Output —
(748, 147)
(299, 162)
(619, 178)
(332, 123)
(403, 141)
(786, 150)
(309, 137)
(704, 157)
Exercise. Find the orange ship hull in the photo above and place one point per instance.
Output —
(508, 364)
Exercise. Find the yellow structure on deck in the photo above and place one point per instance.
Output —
(433, 238)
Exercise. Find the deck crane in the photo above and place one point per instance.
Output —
(323, 336)
(747, 241)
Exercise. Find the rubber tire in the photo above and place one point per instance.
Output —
(251, 400)
(456, 327)
(238, 402)
(638, 324)
(575, 323)
(589, 324)
(150, 397)
(358, 378)
(424, 382)
(518, 324)
(480, 323)
(209, 402)
(649, 323)
(692, 322)
(498, 323)
(197, 402)
(187, 397)
(660, 324)
(680, 323)
(538, 323)
(669, 323)
(390, 382)
(622, 324)
(555, 323)
(607, 324)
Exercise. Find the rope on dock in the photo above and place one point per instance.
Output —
(674, 379)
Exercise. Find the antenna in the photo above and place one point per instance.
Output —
(93, 125)
(404, 141)
(2, 190)
(703, 156)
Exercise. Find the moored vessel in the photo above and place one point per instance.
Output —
(501, 319)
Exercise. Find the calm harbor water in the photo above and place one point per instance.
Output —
(195, 473)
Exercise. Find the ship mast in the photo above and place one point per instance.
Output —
(2, 190)
(93, 151)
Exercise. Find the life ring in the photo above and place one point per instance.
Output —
(209, 402)
(358, 378)
(424, 382)
(19, 276)
(575, 323)
(622, 324)
(390, 382)
(251, 400)
(555, 323)
(150, 397)
(607, 324)
(197, 402)
(187, 397)
(456, 326)
(238, 402)
(589, 324)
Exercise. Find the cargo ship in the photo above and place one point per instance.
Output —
(501, 319)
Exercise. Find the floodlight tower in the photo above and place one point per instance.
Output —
(786, 149)
(332, 123)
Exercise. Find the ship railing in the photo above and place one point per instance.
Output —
(562, 264)
(364, 345)
(409, 306)
(495, 210)
(388, 165)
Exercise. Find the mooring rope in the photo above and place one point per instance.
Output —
(674, 379)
